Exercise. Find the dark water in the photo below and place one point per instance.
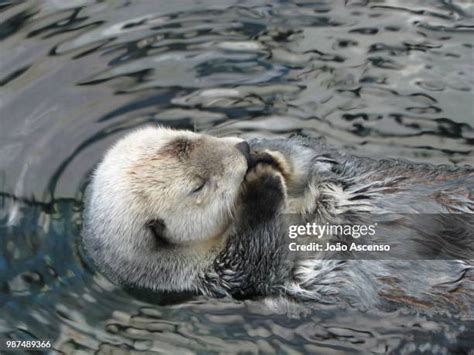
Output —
(380, 78)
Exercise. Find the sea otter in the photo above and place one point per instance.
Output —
(172, 210)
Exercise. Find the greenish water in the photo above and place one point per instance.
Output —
(379, 78)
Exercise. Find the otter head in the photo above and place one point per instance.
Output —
(159, 201)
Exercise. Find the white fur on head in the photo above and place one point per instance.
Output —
(188, 181)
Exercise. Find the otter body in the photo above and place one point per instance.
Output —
(425, 212)
(178, 211)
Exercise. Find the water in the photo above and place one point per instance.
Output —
(379, 78)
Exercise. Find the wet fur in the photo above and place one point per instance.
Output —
(250, 258)
(325, 185)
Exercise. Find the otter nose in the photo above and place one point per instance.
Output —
(244, 148)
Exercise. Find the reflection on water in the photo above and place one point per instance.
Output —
(386, 78)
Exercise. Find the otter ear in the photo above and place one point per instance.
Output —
(157, 228)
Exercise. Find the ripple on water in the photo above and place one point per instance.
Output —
(391, 78)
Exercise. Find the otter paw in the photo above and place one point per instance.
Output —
(261, 157)
(264, 189)
(273, 158)
(262, 172)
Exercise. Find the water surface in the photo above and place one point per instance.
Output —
(379, 78)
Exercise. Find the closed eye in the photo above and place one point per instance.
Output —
(200, 187)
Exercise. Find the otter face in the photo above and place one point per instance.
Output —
(179, 185)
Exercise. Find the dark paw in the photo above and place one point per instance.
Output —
(261, 157)
(264, 190)
(263, 173)
(273, 158)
